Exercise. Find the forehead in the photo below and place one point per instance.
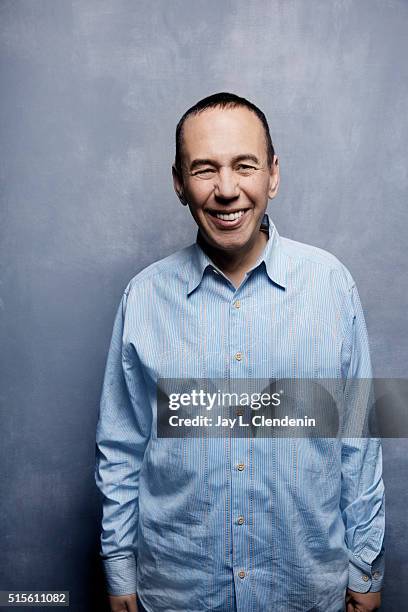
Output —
(221, 133)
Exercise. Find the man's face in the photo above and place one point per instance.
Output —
(225, 172)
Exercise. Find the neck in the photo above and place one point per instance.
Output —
(235, 262)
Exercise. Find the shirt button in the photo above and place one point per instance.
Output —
(376, 575)
(241, 520)
(240, 466)
(365, 578)
(241, 574)
(237, 304)
(238, 356)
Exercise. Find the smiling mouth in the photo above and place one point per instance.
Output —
(230, 216)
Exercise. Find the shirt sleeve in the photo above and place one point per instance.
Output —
(122, 433)
(362, 488)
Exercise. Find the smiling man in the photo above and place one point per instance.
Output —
(226, 170)
(237, 524)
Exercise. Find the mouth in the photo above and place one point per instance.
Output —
(231, 219)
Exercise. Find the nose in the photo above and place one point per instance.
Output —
(226, 184)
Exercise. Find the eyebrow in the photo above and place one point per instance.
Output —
(202, 162)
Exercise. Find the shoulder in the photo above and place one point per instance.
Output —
(314, 259)
(161, 271)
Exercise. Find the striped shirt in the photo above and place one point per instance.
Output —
(237, 524)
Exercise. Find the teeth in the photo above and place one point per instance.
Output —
(230, 216)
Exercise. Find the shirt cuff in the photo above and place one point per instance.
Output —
(364, 578)
(120, 575)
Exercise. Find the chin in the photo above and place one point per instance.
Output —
(230, 246)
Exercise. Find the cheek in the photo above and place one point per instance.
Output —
(198, 192)
(256, 188)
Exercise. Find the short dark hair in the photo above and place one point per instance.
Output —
(222, 100)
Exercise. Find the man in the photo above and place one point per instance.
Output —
(235, 523)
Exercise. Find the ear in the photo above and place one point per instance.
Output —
(274, 178)
(178, 185)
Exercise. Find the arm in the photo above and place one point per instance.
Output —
(122, 434)
(362, 489)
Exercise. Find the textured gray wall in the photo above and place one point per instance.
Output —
(91, 91)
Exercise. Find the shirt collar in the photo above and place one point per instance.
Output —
(272, 257)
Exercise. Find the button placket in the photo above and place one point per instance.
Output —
(236, 304)
(238, 449)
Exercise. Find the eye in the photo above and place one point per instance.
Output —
(203, 172)
(245, 168)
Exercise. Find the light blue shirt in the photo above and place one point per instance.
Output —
(236, 524)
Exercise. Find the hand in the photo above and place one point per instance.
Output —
(123, 603)
(362, 602)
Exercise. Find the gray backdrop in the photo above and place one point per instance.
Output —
(91, 91)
